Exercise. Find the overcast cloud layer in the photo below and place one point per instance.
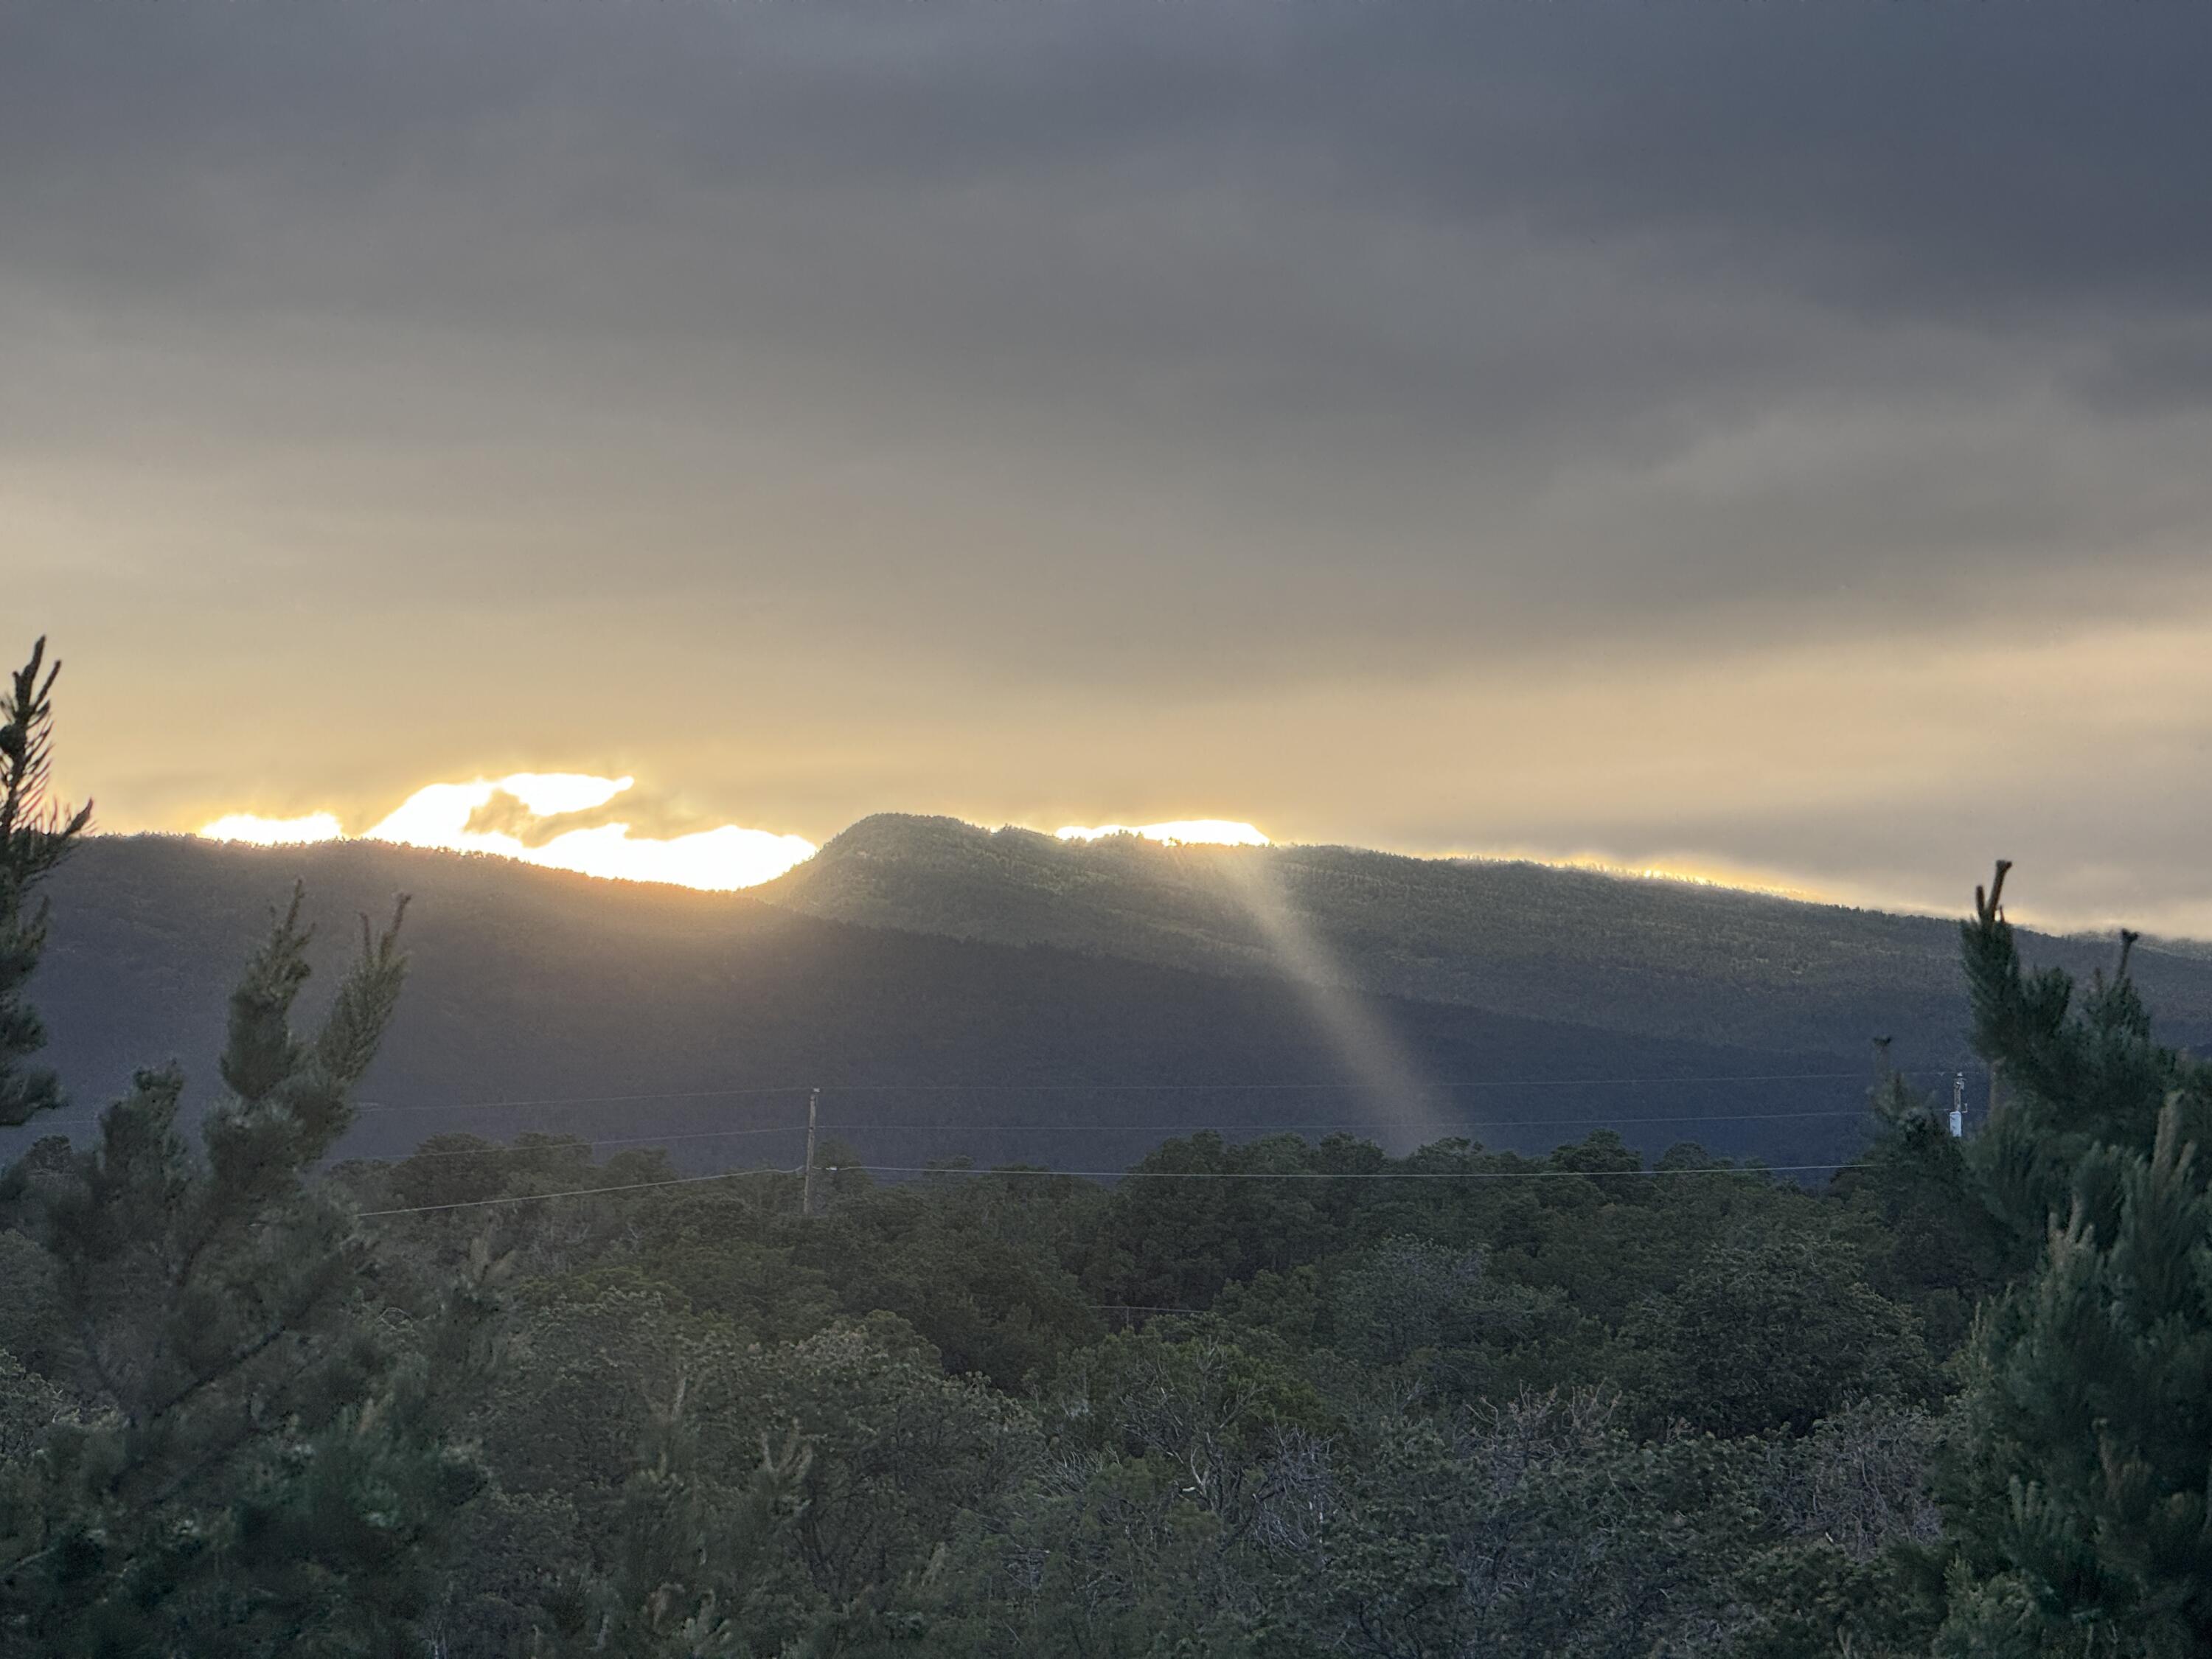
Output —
(1769, 439)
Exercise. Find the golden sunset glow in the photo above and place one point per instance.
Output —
(438, 815)
(273, 832)
(1685, 869)
(445, 815)
(1183, 832)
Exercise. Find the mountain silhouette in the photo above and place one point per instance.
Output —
(1002, 996)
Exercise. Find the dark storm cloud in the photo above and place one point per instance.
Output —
(1906, 158)
(1487, 297)
(2053, 151)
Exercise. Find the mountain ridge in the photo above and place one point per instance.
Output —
(1002, 996)
(1650, 957)
(546, 1001)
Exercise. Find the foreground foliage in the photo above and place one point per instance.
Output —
(1959, 1403)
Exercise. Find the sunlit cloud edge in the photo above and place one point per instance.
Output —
(725, 858)
(258, 831)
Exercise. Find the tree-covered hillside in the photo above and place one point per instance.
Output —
(665, 1009)
(1677, 1012)
(1654, 958)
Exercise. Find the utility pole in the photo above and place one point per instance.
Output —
(806, 1196)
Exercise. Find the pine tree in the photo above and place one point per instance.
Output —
(686, 1548)
(34, 837)
(2074, 1074)
(2077, 1489)
(262, 1468)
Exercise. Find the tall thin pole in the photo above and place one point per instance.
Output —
(806, 1196)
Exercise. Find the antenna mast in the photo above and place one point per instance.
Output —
(806, 1193)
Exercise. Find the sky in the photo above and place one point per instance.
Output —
(1762, 441)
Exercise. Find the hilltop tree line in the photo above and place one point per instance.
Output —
(1277, 1399)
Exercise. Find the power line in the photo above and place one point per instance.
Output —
(571, 1192)
(579, 1100)
(1187, 1127)
(1130, 1174)
(556, 1142)
(1190, 1087)
(587, 1100)
(1184, 1087)
(1177, 1086)
(1351, 1175)
(563, 1142)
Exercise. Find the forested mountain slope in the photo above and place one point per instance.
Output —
(531, 985)
(1655, 958)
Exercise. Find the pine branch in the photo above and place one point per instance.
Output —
(34, 838)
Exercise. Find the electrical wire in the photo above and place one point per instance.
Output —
(564, 1144)
(558, 1143)
(1186, 1128)
(1179, 1086)
(1348, 1175)
(1126, 1174)
(1188, 1086)
(587, 1100)
(571, 1192)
